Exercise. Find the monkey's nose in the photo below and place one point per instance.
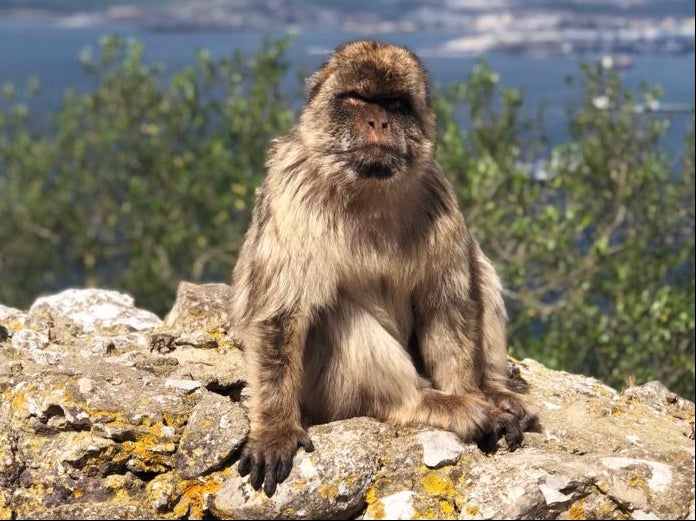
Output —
(378, 124)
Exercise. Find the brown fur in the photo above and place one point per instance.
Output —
(359, 289)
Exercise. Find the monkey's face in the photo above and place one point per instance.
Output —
(370, 108)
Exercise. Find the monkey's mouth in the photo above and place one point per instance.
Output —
(376, 150)
(374, 171)
(377, 161)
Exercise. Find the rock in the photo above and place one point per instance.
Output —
(329, 483)
(216, 429)
(12, 319)
(656, 395)
(106, 412)
(200, 339)
(440, 448)
(92, 309)
(184, 385)
(29, 340)
(34, 343)
(200, 307)
(394, 506)
(162, 343)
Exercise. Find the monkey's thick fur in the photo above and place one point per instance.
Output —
(359, 290)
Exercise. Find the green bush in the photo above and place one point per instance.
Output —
(598, 260)
(143, 181)
(148, 179)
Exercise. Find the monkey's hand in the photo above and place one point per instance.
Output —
(267, 456)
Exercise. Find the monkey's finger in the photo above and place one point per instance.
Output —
(283, 469)
(256, 475)
(269, 482)
(306, 442)
(514, 441)
(244, 465)
(488, 442)
(269, 486)
(513, 433)
(530, 422)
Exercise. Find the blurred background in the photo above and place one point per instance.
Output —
(133, 135)
(532, 44)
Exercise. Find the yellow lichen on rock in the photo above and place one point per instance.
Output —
(471, 510)
(446, 507)
(435, 484)
(221, 339)
(194, 496)
(177, 421)
(375, 507)
(370, 495)
(440, 486)
(577, 510)
(328, 490)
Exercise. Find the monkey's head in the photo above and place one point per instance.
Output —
(368, 110)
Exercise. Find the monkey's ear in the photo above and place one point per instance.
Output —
(312, 84)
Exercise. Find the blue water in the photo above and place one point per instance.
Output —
(51, 53)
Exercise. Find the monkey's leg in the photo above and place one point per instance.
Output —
(357, 365)
(469, 415)
(274, 350)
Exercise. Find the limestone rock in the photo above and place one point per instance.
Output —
(107, 412)
(200, 306)
(12, 319)
(216, 429)
(29, 340)
(329, 483)
(91, 309)
(440, 448)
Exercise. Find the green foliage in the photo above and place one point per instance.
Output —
(148, 179)
(598, 261)
(142, 182)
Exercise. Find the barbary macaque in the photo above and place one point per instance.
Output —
(359, 290)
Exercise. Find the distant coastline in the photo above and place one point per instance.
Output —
(534, 45)
(531, 27)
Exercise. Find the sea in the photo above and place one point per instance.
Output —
(50, 51)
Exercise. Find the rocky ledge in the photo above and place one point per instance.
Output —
(108, 412)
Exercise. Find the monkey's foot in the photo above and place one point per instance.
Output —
(498, 424)
(267, 456)
(470, 415)
(513, 404)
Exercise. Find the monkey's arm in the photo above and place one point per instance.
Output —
(274, 349)
(277, 287)
(460, 325)
(447, 313)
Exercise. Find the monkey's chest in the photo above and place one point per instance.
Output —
(386, 297)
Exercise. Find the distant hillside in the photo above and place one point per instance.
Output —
(296, 11)
(65, 7)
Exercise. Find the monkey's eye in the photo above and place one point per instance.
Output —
(353, 98)
(393, 103)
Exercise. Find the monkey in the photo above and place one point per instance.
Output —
(359, 289)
